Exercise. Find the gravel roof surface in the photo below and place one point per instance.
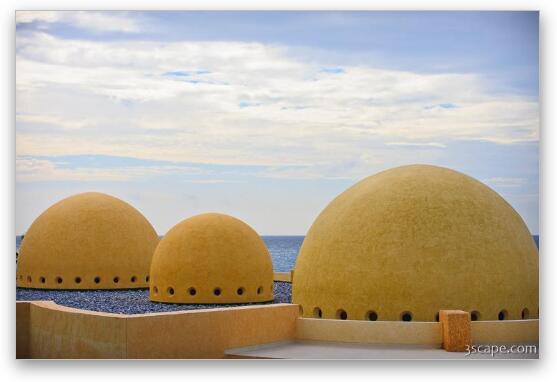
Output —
(130, 301)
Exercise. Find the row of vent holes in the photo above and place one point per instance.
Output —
(371, 315)
(407, 316)
(217, 291)
(77, 280)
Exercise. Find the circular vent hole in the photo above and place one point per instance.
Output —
(240, 291)
(170, 291)
(317, 313)
(155, 290)
(116, 280)
(59, 280)
(437, 316)
(371, 316)
(146, 278)
(133, 279)
(341, 314)
(77, 280)
(29, 279)
(502, 315)
(474, 315)
(217, 291)
(97, 280)
(525, 314)
(406, 316)
(43, 279)
(260, 290)
(192, 291)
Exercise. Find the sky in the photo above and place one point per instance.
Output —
(267, 116)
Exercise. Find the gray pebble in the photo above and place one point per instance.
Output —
(130, 301)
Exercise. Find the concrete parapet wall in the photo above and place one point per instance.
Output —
(60, 332)
(208, 333)
(22, 327)
(512, 331)
(369, 332)
(47, 330)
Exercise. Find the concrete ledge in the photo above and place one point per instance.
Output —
(47, 330)
(283, 276)
(511, 331)
(369, 332)
(208, 333)
(22, 337)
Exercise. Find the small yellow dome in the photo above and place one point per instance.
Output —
(87, 241)
(408, 242)
(211, 258)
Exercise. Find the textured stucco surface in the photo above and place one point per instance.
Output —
(378, 332)
(516, 331)
(417, 239)
(207, 252)
(47, 330)
(84, 237)
(283, 276)
(457, 334)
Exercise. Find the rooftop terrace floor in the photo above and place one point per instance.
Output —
(337, 350)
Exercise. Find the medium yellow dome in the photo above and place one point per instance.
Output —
(87, 241)
(413, 240)
(211, 258)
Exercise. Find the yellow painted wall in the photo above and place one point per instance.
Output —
(367, 332)
(61, 332)
(207, 334)
(493, 332)
(53, 331)
(22, 337)
(47, 330)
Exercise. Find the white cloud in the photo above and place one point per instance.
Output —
(93, 21)
(417, 144)
(502, 182)
(245, 103)
(33, 170)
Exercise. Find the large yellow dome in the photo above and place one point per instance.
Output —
(408, 242)
(87, 241)
(211, 258)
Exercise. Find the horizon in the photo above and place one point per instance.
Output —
(268, 116)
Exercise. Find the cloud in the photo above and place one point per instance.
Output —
(193, 102)
(417, 144)
(37, 170)
(92, 21)
(211, 181)
(502, 182)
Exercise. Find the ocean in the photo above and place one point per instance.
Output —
(283, 249)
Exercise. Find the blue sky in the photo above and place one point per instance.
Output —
(267, 116)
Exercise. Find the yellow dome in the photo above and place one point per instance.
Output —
(410, 241)
(211, 258)
(87, 241)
